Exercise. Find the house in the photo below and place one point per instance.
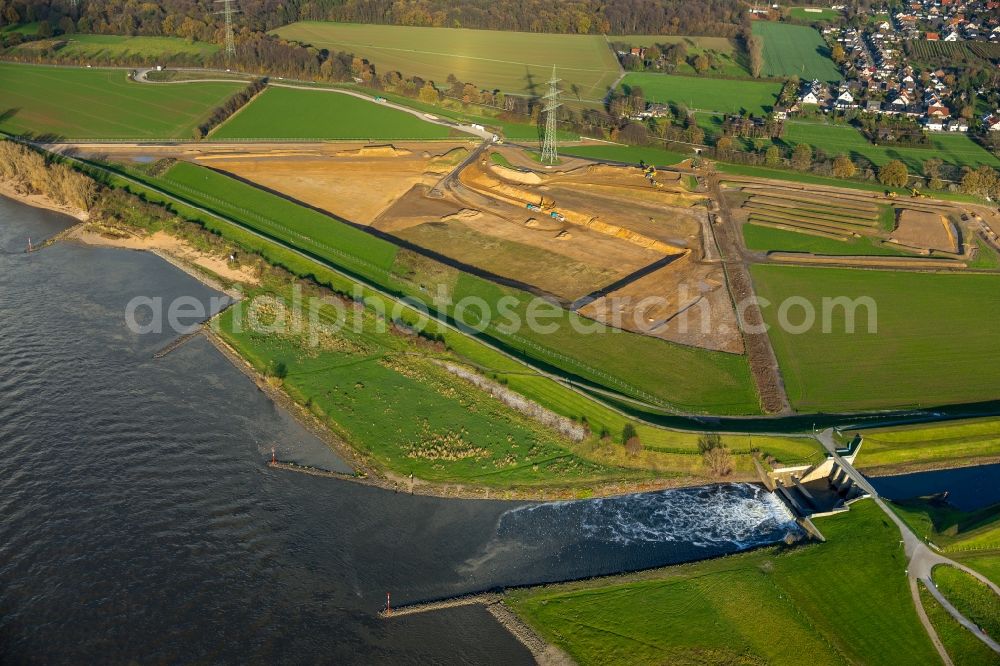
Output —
(932, 36)
(845, 100)
(957, 125)
(938, 111)
(992, 122)
(951, 37)
(655, 111)
(873, 106)
(933, 124)
(813, 93)
(638, 51)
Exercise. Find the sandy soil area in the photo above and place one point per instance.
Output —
(172, 246)
(9, 190)
(356, 184)
(685, 302)
(926, 231)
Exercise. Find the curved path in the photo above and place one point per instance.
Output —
(141, 76)
(921, 559)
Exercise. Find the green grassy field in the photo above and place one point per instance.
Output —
(971, 597)
(706, 93)
(953, 148)
(959, 643)
(23, 28)
(102, 104)
(630, 154)
(795, 50)
(948, 528)
(286, 113)
(767, 239)
(939, 445)
(388, 399)
(817, 14)
(117, 48)
(511, 61)
(755, 608)
(642, 366)
(915, 338)
(987, 563)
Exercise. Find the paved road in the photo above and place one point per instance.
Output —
(921, 559)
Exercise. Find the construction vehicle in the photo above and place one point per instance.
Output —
(557, 216)
(890, 195)
(914, 192)
(532, 206)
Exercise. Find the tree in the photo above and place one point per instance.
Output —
(633, 446)
(700, 63)
(802, 156)
(724, 145)
(772, 157)
(696, 134)
(719, 461)
(843, 167)
(755, 48)
(837, 54)
(429, 94)
(44, 29)
(709, 441)
(894, 174)
(628, 432)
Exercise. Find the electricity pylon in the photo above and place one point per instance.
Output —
(550, 154)
(227, 12)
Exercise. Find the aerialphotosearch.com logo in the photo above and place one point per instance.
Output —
(685, 311)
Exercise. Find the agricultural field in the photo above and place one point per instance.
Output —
(707, 94)
(758, 607)
(935, 54)
(693, 379)
(117, 49)
(102, 104)
(813, 14)
(953, 148)
(915, 338)
(23, 28)
(795, 50)
(514, 62)
(963, 647)
(888, 450)
(287, 113)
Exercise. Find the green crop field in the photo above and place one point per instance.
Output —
(953, 148)
(973, 598)
(511, 61)
(795, 50)
(287, 113)
(913, 359)
(117, 48)
(959, 643)
(814, 13)
(763, 607)
(102, 104)
(940, 445)
(718, 95)
(652, 369)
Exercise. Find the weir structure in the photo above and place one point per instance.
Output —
(819, 489)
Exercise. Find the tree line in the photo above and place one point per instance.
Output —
(221, 113)
(196, 19)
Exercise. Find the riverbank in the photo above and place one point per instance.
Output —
(10, 190)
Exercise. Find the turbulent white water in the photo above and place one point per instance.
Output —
(732, 515)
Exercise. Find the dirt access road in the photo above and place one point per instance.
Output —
(760, 353)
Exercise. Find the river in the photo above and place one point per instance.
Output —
(140, 522)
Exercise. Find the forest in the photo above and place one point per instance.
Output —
(197, 19)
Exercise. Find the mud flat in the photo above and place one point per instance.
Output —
(925, 231)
